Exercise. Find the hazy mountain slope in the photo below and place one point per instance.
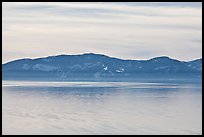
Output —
(98, 66)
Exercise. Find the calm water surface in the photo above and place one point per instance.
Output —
(101, 108)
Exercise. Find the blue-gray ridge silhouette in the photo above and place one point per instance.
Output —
(97, 66)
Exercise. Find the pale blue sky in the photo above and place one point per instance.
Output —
(123, 30)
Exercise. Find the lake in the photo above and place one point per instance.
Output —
(101, 108)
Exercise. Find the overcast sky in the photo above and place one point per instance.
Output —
(124, 30)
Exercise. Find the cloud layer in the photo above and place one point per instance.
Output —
(124, 30)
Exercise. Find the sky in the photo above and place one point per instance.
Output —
(126, 30)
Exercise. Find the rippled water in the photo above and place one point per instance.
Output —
(101, 108)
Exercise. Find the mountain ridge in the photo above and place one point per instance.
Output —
(91, 65)
(97, 54)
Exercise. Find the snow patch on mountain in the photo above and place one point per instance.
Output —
(106, 68)
(26, 67)
(76, 66)
(119, 70)
(43, 67)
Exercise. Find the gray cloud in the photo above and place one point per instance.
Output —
(124, 30)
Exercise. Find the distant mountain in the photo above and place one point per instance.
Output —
(97, 66)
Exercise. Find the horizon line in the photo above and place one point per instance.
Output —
(88, 53)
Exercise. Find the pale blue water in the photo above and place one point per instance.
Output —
(101, 108)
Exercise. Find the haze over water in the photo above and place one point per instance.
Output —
(101, 108)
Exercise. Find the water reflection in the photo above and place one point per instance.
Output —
(101, 108)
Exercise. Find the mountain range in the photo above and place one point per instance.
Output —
(97, 67)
